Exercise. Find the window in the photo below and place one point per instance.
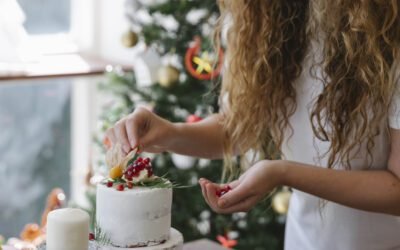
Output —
(35, 115)
(46, 16)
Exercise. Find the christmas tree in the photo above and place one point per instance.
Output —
(182, 89)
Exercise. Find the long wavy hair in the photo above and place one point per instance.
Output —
(267, 41)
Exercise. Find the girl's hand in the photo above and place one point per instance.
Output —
(247, 191)
(143, 128)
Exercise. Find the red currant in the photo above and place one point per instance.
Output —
(109, 184)
(120, 187)
(129, 185)
(91, 236)
(140, 159)
(146, 161)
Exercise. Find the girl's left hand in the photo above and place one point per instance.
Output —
(247, 191)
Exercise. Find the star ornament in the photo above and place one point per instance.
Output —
(203, 64)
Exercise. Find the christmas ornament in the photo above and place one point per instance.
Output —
(183, 161)
(30, 232)
(168, 76)
(280, 201)
(56, 199)
(193, 118)
(129, 39)
(225, 241)
(200, 63)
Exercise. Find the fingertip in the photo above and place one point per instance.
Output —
(222, 203)
(133, 144)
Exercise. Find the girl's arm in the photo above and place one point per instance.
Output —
(202, 139)
(155, 134)
(370, 190)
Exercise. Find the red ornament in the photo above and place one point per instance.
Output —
(193, 118)
(226, 242)
(200, 64)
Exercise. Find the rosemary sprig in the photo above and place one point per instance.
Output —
(160, 182)
(100, 236)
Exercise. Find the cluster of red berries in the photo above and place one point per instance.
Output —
(134, 169)
(121, 186)
(223, 191)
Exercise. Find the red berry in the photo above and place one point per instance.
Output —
(140, 159)
(109, 184)
(91, 236)
(146, 161)
(130, 185)
(223, 191)
(120, 187)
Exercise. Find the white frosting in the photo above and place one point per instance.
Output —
(134, 217)
(175, 242)
(67, 229)
(143, 176)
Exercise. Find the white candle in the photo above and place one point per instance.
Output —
(67, 229)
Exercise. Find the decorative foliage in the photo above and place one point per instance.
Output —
(100, 236)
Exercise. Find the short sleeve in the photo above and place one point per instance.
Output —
(394, 109)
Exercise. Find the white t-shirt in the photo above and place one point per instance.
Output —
(333, 227)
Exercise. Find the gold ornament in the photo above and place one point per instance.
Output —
(168, 76)
(129, 39)
(280, 201)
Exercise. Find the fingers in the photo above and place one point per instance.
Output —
(111, 136)
(121, 135)
(211, 190)
(239, 199)
(132, 130)
(127, 130)
(242, 206)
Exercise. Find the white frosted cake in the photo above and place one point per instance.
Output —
(135, 217)
(133, 209)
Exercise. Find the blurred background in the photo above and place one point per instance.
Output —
(70, 69)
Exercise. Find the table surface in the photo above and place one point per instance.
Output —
(202, 245)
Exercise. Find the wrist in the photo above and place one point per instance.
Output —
(174, 134)
(281, 169)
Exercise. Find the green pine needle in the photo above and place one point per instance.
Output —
(100, 236)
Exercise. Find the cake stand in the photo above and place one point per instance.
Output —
(175, 242)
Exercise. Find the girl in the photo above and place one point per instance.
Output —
(317, 81)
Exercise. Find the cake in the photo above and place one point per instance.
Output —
(133, 208)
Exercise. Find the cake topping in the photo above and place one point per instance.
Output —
(130, 171)
(120, 187)
(116, 172)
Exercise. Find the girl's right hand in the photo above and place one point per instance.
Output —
(142, 128)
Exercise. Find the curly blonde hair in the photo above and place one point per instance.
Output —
(266, 44)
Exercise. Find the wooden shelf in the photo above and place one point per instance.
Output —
(58, 65)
